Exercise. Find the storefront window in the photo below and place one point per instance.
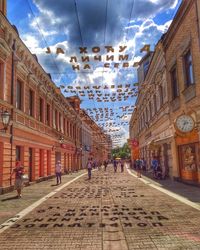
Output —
(188, 156)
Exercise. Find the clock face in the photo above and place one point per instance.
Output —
(185, 123)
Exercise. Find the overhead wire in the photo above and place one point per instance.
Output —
(105, 25)
(81, 37)
(126, 35)
(41, 33)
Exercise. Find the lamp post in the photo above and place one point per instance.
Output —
(5, 117)
(61, 139)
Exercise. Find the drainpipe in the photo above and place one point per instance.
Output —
(12, 106)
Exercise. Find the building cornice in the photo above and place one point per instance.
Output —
(180, 15)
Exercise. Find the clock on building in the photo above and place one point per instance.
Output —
(184, 123)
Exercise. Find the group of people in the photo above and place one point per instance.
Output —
(118, 163)
(92, 164)
(141, 165)
(19, 173)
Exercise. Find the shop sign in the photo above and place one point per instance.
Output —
(135, 143)
(67, 146)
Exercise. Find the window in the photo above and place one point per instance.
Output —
(150, 110)
(155, 104)
(174, 83)
(48, 115)
(147, 115)
(2, 87)
(56, 118)
(41, 110)
(19, 95)
(161, 95)
(18, 153)
(188, 69)
(31, 103)
(143, 125)
(60, 120)
(64, 125)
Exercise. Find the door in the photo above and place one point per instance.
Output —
(30, 172)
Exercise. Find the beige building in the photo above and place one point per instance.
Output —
(167, 114)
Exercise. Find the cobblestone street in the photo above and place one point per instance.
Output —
(111, 211)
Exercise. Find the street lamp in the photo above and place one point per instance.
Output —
(61, 139)
(5, 117)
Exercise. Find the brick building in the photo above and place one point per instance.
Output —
(167, 115)
(182, 53)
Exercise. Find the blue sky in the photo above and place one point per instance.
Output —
(107, 94)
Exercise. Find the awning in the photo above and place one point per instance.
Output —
(162, 140)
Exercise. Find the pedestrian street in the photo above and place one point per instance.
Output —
(112, 211)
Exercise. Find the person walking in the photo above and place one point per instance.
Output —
(89, 168)
(115, 165)
(19, 172)
(138, 168)
(105, 165)
(122, 166)
(58, 172)
(154, 164)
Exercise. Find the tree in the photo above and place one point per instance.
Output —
(121, 152)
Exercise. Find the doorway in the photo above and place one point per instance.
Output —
(30, 170)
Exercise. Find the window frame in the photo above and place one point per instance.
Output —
(173, 70)
(19, 95)
(31, 107)
(189, 79)
(41, 109)
(48, 114)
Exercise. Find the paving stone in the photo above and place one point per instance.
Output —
(110, 212)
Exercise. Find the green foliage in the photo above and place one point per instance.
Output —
(123, 152)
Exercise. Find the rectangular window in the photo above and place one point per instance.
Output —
(147, 115)
(41, 110)
(56, 118)
(150, 110)
(174, 83)
(60, 125)
(188, 69)
(155, 104)
(18, 153)
(2, 86)
(31, 103)
(161, 95)
(48, 115)
(64, 126)
(68, 128)
(19, 95)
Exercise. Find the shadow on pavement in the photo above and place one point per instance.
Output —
(10, 198)
(191, 192)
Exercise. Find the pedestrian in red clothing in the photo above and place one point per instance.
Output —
(19, 172)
